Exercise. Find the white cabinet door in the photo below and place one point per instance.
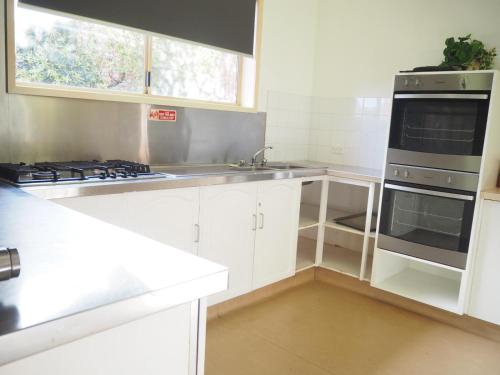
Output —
(227, 233)
(276, 241)
(158, 344)
(167, 216)
(485, 299)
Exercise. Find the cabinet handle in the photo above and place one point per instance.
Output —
(254, 227)
(261, 221)
(197, 233)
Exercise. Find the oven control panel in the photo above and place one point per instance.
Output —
(432, 177)
(461, 81)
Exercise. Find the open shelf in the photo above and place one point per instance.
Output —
(341, 260)
(333, 213)
(309, 216)
(409, 277)
(306, 253)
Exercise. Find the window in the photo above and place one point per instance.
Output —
(55, 55)
(184, 70)
(59, 51)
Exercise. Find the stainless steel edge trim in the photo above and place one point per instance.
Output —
(442, 256)
(441, 96)
(81, 190)
(440, 161)
(430, 192)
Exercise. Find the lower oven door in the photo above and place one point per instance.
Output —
(427, 222)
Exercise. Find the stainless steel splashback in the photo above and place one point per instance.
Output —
(43, 128)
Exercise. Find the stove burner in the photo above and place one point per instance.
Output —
(74, 171)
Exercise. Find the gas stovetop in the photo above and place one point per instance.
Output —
(75, 172)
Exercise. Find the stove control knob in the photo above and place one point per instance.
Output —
(10, 264)
(406, 82)
(449, 180)
(396, 172)
(417, 82)
(407, 174)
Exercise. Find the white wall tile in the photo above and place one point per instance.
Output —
(349, 131)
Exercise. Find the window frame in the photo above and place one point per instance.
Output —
(14, 87)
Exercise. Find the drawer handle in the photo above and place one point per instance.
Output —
(254, 227)
(261, 221)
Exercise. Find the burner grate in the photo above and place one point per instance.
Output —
(73, 171)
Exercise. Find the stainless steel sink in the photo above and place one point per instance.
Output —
(207, 170)
(250, 168)
(284, 166)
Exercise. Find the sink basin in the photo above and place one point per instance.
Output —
(250, 168)
(284, 166)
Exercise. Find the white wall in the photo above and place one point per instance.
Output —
(359, 46)
(362, 43)
(288, 48)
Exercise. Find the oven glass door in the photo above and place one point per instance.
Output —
(451, 124)
(436, 218)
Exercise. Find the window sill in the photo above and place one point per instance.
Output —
(75, 93)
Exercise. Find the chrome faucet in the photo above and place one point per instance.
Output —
(254, 157)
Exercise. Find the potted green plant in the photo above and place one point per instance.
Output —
(467, 54)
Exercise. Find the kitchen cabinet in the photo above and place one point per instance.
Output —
(484, 296)
(167, 216)
(228, 222)
(251, 228)
(278, 206)
(163, 343)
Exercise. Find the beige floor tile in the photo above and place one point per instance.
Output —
(231, 350)
(345, 333)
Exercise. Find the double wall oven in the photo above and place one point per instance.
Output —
(437, 133)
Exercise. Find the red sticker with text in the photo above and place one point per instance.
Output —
(169, 115)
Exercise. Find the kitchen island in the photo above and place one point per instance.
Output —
(91, 287)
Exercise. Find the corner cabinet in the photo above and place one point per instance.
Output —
(484, 296)
(251, 229)
(167, 216)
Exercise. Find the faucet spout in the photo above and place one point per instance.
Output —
(261, 151)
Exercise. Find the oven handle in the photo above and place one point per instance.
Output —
(441, 96)
(461, 197)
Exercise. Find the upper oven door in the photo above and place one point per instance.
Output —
(426, 222)
(439, 130)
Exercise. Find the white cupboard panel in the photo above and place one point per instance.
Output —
(227, 233)
(167, 216)
(485, 298)
(278, 211)
(159, 344)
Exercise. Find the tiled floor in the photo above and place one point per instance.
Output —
(317, 329)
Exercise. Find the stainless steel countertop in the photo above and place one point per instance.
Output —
(73, 263)
(183, 176)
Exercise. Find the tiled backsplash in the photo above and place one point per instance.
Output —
(350, 131)
(288, 126)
